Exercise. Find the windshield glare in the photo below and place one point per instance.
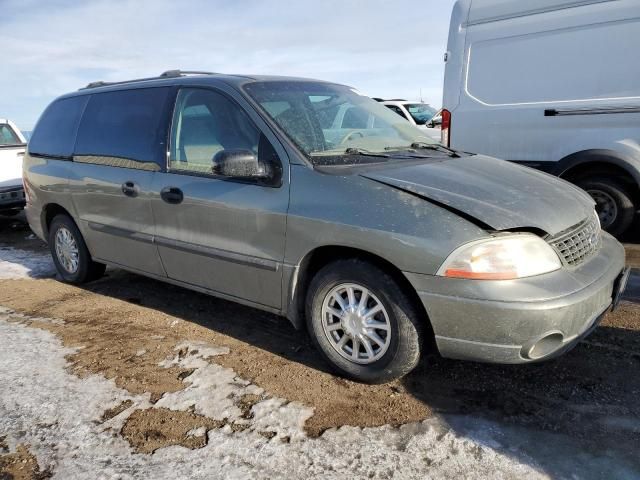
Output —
(326, 120)
(421, 112)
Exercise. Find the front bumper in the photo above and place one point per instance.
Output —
(525, 320)
(12, 198)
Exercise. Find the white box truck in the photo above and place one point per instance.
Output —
(552, 84)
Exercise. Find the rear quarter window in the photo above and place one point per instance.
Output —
(56, 130)
(8, 136)
(128, 125)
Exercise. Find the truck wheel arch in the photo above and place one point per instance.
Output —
(612, 180)
(600, 161)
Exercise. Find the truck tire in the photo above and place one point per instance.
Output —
(614, 204)
(354, 304)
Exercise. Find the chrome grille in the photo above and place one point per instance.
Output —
(579, 243)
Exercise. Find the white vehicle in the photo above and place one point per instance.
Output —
(12, 148)
(416, 113)
(556, 83)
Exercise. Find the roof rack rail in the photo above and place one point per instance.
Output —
(167, 74)
(181, 73)
(99, 83)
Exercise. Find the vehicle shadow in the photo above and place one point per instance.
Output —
(588, 395)
(261, 329)
(11, 222)
(15, 232)
(22, 255)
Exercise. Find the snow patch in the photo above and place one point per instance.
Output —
(214, 391)
(197, 432)
(14, 316)
(15, 264)
(196, 349)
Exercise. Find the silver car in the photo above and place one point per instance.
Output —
(309, 200)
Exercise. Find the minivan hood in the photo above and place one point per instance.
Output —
(496, 193)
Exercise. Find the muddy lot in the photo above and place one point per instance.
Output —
(132, 378)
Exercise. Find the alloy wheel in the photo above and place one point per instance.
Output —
(67, 250)
(356, 323)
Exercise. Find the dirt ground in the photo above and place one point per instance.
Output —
(125, 325)
(20, 465)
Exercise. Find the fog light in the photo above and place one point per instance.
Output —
(543, 347)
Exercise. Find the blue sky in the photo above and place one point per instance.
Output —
(388, 48)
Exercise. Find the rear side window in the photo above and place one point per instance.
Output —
(124, 129)
(8, 136)
(55, 132)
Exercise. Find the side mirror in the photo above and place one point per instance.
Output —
(434, 122)
(239, 164)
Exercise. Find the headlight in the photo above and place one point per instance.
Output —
(501, 258)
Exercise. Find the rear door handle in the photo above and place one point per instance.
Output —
(171, 195)
(130, 189)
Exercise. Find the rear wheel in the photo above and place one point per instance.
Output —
(70, 254)
(614, 203)
(363, 323)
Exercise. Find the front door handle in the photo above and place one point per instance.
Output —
(130, 189)
(171, 195)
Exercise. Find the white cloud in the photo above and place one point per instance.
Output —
(384, 48)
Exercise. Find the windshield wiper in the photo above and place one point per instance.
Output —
(364, 153)
(367, 153)
(435, 146)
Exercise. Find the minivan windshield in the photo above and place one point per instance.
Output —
(328, 121)
(421, 112)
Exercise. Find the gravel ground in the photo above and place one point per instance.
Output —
(133, 378)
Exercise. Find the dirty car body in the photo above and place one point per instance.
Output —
(312, 201)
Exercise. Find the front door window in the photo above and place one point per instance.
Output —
(204, 123)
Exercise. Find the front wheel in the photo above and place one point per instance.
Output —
(363, 323)
(614, 204)
(70, 254)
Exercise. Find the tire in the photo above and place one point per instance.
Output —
(86, 269)
(609, 194)
(405, 324)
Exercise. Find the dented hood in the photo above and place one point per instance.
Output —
(496, 193)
